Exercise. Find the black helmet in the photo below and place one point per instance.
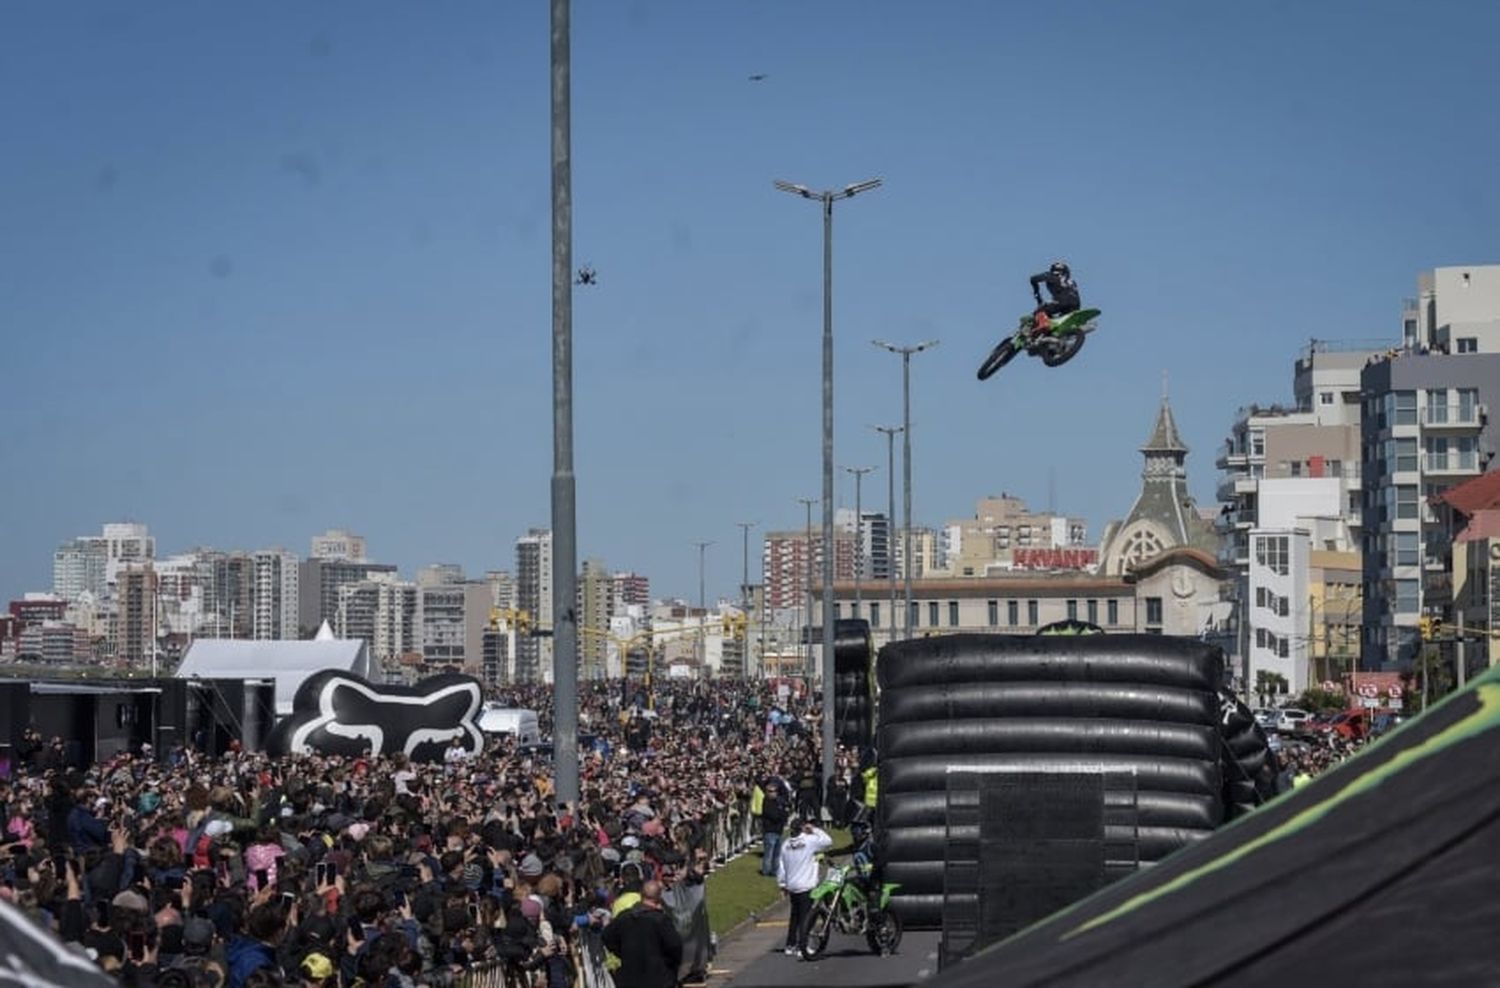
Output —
(1060, 267)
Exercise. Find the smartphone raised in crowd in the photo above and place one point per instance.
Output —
(137, 942)
(262, 877)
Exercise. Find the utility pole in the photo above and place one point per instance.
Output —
(808, 502)
(906, 354)
(859, 531)
(827, 198)
(889, 431)
(702, 609)
(745, 527)
(564, 487)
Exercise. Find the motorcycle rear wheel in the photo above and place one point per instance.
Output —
(1003, 353)
(1064, 349)
(884, 932)
(816, 929)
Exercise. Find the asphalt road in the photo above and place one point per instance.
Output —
(756, 961)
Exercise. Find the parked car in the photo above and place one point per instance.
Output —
(1266, 718)
(1349, 724)
(1290, 719)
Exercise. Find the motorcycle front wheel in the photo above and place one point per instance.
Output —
(998, 358)
(884, 933)
(816, 929)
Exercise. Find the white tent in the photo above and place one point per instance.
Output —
(288, 662)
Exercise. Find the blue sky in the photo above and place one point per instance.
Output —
(270, 268)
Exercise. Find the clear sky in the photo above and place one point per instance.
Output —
(270, 268)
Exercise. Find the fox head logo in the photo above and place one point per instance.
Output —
(336, 713)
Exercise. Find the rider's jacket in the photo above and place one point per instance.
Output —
(1063, 290)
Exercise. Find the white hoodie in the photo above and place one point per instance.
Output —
(797, 864)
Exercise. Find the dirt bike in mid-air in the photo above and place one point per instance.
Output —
(841, 903)
(1057, 343)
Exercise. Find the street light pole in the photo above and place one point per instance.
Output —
(807, 571)
(702, 608)
(906, 352)
(828, 198)
(859, 531)
(564, 489)
(889, 431)
(745, 527)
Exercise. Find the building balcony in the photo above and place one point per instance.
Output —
(1452, 464)
(1454, 418)
(1227, 456)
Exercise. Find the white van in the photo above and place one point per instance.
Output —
(495, 719)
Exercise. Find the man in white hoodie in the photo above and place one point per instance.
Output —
(797, 875)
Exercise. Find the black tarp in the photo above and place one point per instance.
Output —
(1384, 870)
(33, 957)
(853, 683)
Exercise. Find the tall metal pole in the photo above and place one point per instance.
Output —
(906, 562)
(564, 490)
(808, 502)
(702, 610)
(859, 532)
(828, 198)
(889, 431)
(745, 527)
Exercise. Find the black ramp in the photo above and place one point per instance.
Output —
(1142, 706)
(853, 683)
(1381, 871)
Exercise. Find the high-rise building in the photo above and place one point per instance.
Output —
(453, 615)
(134, 623)
(595, 599)
(502, 589)
(338, 544)
(1005, 535)
(629, 590)
(1427, 426)
(786, 556)
(382, 611)
(534, 598)
(274, 598)
(126, 544)
(78, 569)
(319, 581)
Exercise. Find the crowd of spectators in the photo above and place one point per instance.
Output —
(245, 871)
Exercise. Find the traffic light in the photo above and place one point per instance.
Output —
(1437, 628)
(1424, 624)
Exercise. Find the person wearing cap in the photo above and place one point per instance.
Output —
(797, 875)
(317, 971)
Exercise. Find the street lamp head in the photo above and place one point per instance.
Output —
(924, 345)
(798, 190)
(858, 187)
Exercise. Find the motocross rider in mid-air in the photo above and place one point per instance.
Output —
(1064, 292)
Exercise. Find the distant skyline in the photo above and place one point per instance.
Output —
(267, 271)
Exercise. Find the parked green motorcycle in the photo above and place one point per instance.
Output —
(841, 904)
(1057, 344)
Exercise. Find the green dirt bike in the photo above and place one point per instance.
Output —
(839, 903)
(1056, 345)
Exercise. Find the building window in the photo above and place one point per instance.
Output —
(1013, 612)
(874, 614)
(1260, 596)
(1468, 344)
(1406, 501)
(1271, 552)
(1072, 610)
(1468, 404)
(994, 615)
(1257, 444)
(1406, 454)
(1282, 648)
(1295, 468)
(1405, 411)
(1031, 615)
(1153, 610)
(1406, 549)
(838, 610)
(915, 615)
(1093, 612)
(1112, 612)
(1406, 595)
(932, 613)
(952, 613)
(1260, 637)
(1325, 397)
(1335, 468)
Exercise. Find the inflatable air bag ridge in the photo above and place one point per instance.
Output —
(339, 713)
(1154, 660)
(943, 701)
